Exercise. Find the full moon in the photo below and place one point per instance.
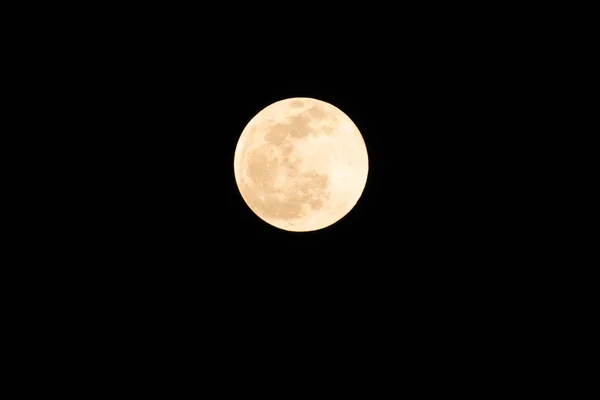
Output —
(301, 164)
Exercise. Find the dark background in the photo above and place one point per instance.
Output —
(159, 242)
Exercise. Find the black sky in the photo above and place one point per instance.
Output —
(162, 240)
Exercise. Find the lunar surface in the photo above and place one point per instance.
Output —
(301, 164)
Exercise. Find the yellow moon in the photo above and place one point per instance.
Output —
(301, 164)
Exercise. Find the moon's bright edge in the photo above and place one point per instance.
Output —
(301, 164)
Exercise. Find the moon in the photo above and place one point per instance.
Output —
(301, 164)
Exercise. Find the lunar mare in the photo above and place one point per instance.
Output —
(301, 164)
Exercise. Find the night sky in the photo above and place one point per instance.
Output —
(159, 106)
(156, 256)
